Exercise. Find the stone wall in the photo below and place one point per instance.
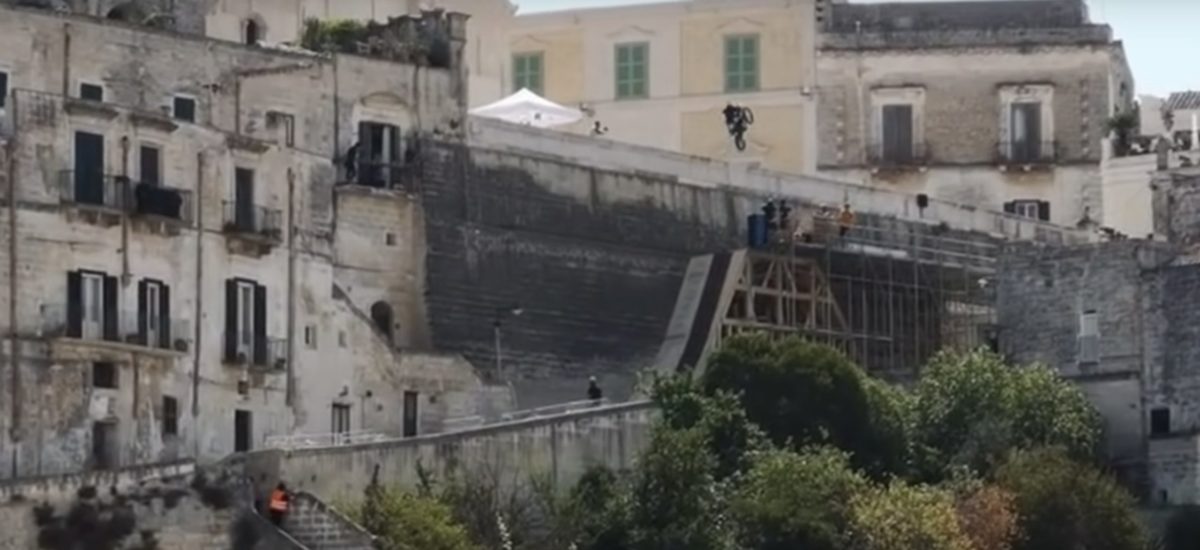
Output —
(317, 525)
(561, 447)
(168, 506)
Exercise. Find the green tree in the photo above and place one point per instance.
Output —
(731, 436)
(403, 521)
(601, 507)
(906, 517)
(331, 35)
(676, 502)
(796, 500)
(1065, 504)
(972, 409)
(802, 393)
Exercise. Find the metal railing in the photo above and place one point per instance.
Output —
(93, 189)
(176, 335)
(264, 353)
(1027, 152)
(379, 175)
(119, 193)
(550, 410)
(334, 439)
(252, 219)
(879, 154)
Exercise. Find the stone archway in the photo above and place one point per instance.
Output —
(383, 317)
(129, 12)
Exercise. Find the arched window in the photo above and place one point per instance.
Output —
(253, 33)
(381, 315)
(128, 12)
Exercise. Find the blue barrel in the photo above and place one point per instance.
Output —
(756, 230)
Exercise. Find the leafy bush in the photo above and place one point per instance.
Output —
(403, 521)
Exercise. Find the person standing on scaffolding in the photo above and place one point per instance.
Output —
(845, 220)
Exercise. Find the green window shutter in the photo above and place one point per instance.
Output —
(632, 70)
(527, 72)
(741, 63)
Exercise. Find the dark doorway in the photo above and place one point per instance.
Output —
(381, 315)
(410, 413)
(341, 421)
(89, 168)
(150, 159)
(1026, 132)
(104, 445)
(252, 32)
(898, 134)
(243, 426)
(243, 197)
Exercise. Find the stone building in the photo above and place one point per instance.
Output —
(995, 104)
(1119, 318)
(189, 267)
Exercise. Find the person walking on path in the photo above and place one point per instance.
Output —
(593, 392)
(277, 508)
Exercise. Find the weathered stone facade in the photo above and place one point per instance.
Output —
(958, 70)
(103, 116)
(1132, 301)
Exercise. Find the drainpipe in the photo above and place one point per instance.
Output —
(291, 289)
(66, 61)
(197, 309)
(125, 193)
(13, 343)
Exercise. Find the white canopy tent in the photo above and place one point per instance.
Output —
(526, 107)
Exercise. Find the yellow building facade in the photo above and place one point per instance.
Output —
(660, 74)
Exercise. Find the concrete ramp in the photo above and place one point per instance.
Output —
(704, 293)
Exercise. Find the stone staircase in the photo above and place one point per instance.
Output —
(317, 526)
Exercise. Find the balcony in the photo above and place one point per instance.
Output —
(1028, 153)
(887, 156)
(94, 190)
(378, 175)
(253, 221)
(125, 328)
(162, 203)
(118, 195)
(259, 353)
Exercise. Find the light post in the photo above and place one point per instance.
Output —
(501, 314)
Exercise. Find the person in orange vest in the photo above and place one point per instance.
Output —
(277, 508)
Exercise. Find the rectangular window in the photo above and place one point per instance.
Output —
(104, 445)
(741, 63)
(93, 306)
(243, 427)
(154, 314)
(104, 375)
(527, 71)
(91, 92)
(380, 154)
(310, 336)
(1089, 337)
(410, 413)
(245, 322)
(89, 186)
(170, 416)
(1032, 209)
(1160, 421)
(150, 164)
(243, 200)
(3, 89)
(632, 68)
(184, 108)
(341, 418)
(1026, 128)
(897, 129)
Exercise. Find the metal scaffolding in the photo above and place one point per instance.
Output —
(890, 297)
